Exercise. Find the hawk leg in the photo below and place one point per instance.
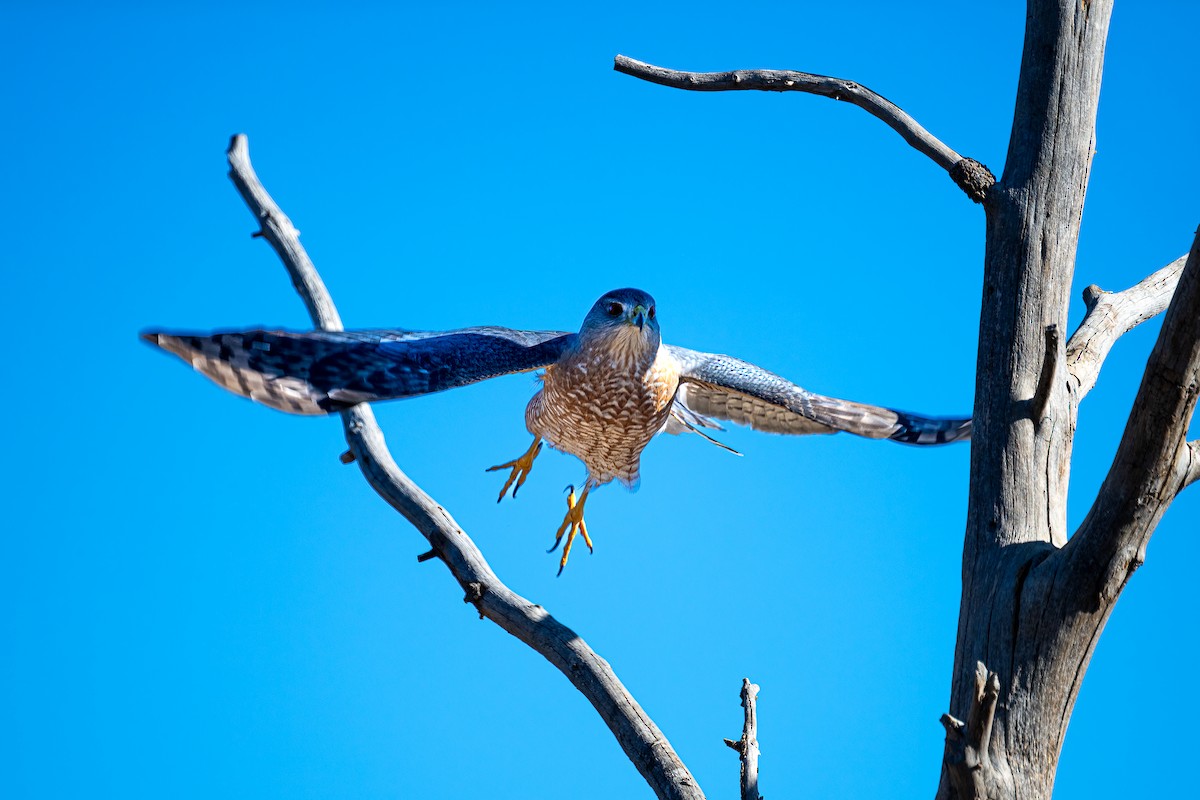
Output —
(574, 521)
(521, 468)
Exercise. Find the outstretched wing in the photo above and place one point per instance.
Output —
(727, 388)
(320, 372)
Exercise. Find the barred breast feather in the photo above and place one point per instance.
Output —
(604, 409)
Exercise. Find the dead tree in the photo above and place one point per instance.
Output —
(1034, 600)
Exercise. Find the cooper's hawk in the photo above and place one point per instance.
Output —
(606, 391)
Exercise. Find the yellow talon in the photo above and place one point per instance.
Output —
(521, 468)
(574, 521)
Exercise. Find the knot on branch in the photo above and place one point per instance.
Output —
(1091, 295)
(973, 178)
(1120, 569)
(967, 758)
(475, 593)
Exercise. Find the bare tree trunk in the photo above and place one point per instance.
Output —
(1020, 465)
(1033, 605)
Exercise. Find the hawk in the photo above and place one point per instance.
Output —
(606, 391)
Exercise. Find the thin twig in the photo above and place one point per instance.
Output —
(1111, 315)
(641, 740)
(974, 178)
(283, 236)
(747, 746)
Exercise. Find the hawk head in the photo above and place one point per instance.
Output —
(624, 318)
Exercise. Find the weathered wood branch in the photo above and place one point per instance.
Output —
(747, 746)
(1111, 315)
(1154, 459)
(1193, 463)
(1054, 355)
(283, 236)
(967, 756)
(972, 177)
(1033, 216)
(638, 736)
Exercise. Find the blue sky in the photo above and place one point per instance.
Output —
(200, 601)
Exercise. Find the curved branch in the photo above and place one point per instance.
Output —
(283, 236)
(1154, 459)
(972, 177)
(1111, 315)
(638, 736)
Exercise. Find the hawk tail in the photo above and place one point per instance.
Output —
(915, 429)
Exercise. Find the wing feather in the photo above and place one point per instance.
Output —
(319, 372)
(728, 388)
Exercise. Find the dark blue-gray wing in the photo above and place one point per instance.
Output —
(317, 372)
(727, 388)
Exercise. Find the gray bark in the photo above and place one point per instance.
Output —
(968, 744)
(1016, 514)
(1034, 602)
(1033, 605)
(637, 734)
(747, 746)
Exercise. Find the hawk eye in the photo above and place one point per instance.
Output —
(614, 309)
(651, 312)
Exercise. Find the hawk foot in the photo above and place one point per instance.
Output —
(574, 522)
(521, 467)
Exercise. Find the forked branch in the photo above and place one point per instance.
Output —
(972, 177)
(1111, 315)
(747, 746)
(641, 740)
(1154, 460)
(968, 744)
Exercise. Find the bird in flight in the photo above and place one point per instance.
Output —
(606, 391)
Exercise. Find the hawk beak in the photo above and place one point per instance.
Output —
(638, 316)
